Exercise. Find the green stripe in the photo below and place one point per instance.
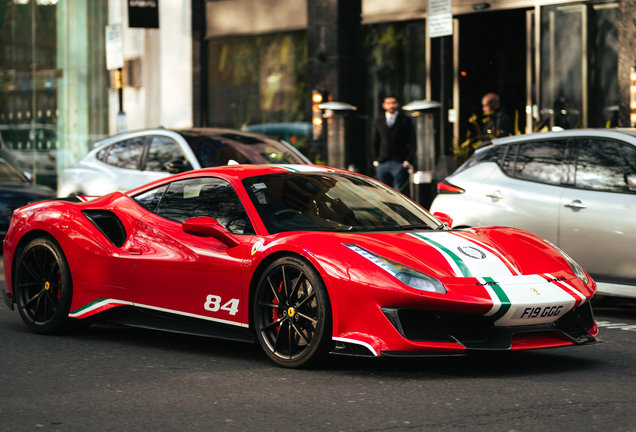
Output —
(503, 298)
(457, 259)
(87, 306)
(289, 168)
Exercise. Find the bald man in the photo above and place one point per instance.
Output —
(499, 124)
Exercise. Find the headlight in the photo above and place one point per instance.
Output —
(404, 274)
(578, 271)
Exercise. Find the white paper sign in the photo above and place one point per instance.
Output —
(114, 47)
(440, 18)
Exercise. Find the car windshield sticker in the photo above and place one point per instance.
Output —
(192, 191)
(303, 168)
(257, 186)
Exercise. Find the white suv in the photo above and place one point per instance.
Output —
(575, 188)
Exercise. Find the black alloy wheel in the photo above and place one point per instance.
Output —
(43, 287)
(292, 314)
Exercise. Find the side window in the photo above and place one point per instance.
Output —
(205, 196)
(162, 151)
(542, 161)
(150, 199)
(124, 154)
(487, 154)
(604, 165)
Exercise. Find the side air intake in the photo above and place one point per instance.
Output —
(108, 224)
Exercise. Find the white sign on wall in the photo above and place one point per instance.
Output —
(114, 47)
(440, 18)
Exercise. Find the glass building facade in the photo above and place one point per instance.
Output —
(53, 83)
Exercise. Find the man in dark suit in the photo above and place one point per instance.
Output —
(392, 143)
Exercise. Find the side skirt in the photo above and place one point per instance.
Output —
(146, 318)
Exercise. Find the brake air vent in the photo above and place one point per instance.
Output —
(108, 224)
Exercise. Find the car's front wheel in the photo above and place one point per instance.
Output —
(292, 313)
(43, 287)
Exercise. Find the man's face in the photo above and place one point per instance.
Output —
(488, 105)
(390, 105)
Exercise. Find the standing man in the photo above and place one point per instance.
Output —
(499, 124)
(391, 143)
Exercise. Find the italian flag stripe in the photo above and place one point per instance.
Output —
(456, 259)
(503, 259)
(289, 168)
(96, 306)
(505, 301)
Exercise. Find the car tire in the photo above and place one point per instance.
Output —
(44, 288)
(292, 314)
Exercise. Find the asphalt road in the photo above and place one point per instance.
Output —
(112, 378)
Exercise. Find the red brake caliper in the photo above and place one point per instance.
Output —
(276, 313)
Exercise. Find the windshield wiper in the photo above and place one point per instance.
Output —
(403, 227)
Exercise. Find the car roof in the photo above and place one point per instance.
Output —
(240, 172)
(617, 133)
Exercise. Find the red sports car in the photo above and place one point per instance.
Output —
(305, 259)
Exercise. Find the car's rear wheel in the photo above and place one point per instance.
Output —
(43, 287)
(292, 313)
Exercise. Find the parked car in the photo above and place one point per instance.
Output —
(16, 191)
(575, 188)
(128, 160)
(304, 259)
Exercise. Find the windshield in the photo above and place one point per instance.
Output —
(219, 150)
(332, 202)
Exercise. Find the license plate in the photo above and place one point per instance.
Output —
(537, 312)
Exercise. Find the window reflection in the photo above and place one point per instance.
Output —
(162, 151)
(604, 165)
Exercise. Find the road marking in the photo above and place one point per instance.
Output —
(619, 325)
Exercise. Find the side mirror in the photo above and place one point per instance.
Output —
(28, 176)
(177, 166)
(631, 182)
(444, 218)
(205, 226)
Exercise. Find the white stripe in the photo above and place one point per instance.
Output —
(234, 323)
(491, 249)
(98, 305)
(577, 292)
(489, 266)
(357, 342)
(447, 257)
(496, 303)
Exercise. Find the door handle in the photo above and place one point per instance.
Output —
(134, 251)
(495, 195)
(576, 204)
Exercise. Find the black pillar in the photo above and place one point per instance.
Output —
(334, 62)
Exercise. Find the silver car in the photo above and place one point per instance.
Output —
(132, 159)
(575, 188)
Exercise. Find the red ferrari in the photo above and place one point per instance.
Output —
(306, 260)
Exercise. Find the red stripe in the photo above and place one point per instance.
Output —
(513, 270)
(567, 289)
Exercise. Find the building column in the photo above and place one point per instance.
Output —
(626, 56)
(334, 63)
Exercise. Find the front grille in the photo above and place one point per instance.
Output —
(581, 316)
(432, 326)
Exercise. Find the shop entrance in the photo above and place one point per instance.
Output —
(492, 58)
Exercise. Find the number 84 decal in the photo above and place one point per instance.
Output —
(213, 304)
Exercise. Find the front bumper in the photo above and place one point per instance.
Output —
(476, 333)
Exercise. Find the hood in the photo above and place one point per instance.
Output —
(483, 252)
